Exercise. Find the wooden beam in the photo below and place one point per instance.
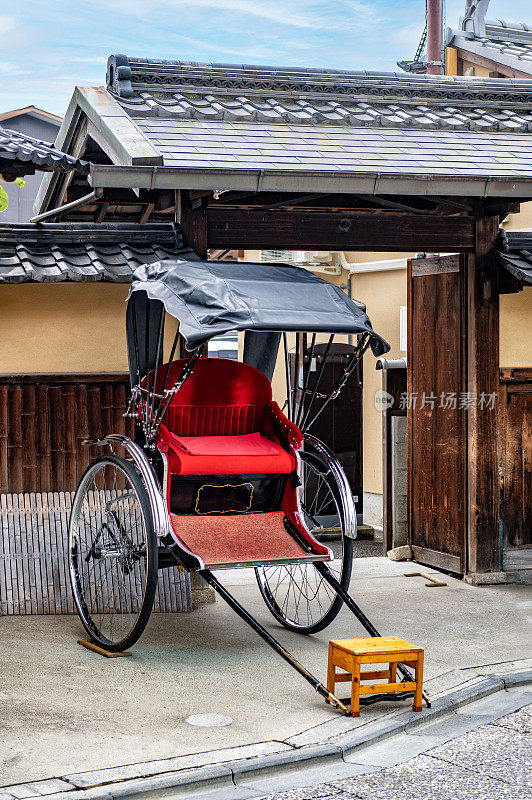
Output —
(102, 211)
(256, 230)
(146, 213)
(451, 60)
(488, 63)
(337, 202)
(383, 201)
(293, 201)
(482, 297)
(194, 223)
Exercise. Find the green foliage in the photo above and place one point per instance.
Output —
(4, 199)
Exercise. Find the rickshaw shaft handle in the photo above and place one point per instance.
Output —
(326, 573)
(277, 646)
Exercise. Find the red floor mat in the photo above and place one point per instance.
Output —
(250, 538)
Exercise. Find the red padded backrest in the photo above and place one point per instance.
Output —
(220, 398)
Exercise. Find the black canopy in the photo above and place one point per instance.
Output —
(210, 298)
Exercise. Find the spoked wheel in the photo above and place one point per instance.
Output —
(296, 594)
(113, 553)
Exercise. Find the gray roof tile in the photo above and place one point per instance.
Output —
(57, 252)
(26, 153)
(245, 117)
(175, 90)
(509, 44)
(515, 254)
(327, 148)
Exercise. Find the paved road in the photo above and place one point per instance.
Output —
(493, 762)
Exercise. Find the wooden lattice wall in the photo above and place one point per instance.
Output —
(43, 421)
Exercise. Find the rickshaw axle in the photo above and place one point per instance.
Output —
(274, 644)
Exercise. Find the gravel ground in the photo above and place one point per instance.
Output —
(493, 762)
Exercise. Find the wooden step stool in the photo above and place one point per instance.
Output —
(349, 654)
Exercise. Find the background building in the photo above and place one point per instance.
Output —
(40, 125)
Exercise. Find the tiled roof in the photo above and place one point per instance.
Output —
(324, 147)
(272, 118)
(515, 254)
(21, 150)
(506, 43)
(512, 41)
(83, 252)
(227, 127)
(181, 91)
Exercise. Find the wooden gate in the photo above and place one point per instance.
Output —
(436, 407)
(515, 408)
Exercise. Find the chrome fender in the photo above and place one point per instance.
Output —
(161, 517)
(340, 477)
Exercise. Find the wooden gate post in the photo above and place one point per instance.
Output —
(482, 299)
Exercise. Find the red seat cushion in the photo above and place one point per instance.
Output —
(248, 454)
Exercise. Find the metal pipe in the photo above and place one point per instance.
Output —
(277, 646)
(81, 201)
(434, 37)
(390, 363)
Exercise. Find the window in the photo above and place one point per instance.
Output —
(282, 256)
(224, 346)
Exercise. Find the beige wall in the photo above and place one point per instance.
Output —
(383, 293)
(521, 221)
(515, 348)
(515, 339)
(64, 328)
(478, 71)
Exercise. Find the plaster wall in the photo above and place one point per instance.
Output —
(64, 328)
(478, 71)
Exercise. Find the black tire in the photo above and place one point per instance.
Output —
(113, 553)
(292, 592)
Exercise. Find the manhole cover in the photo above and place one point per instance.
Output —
(209, 720)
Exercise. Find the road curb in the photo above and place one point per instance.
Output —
(213, 775)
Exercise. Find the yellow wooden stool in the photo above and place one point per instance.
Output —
(349, 654)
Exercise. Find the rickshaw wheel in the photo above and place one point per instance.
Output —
(113, 553)
(296, 594)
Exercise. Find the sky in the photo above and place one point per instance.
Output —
(49, 46)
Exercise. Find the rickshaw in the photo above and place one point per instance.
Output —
(219, 476)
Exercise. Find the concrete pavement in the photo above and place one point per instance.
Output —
(67, 711)
(481, 760)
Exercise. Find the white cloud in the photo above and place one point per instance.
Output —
(89, 60)
(306, 14)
